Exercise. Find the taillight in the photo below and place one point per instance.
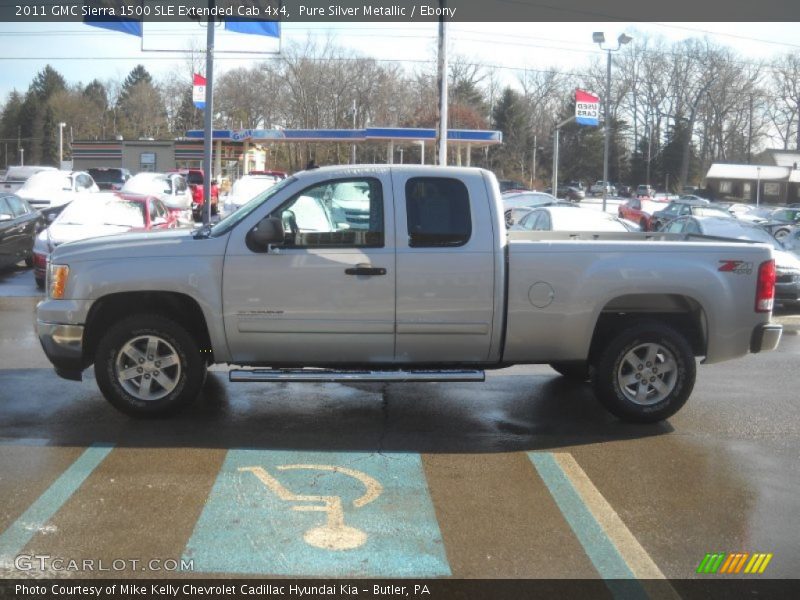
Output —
(765, 288)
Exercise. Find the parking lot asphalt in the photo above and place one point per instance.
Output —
(524, 475)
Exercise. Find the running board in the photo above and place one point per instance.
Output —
(330, 376)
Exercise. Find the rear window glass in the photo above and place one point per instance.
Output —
(194, 178)
(106, 175)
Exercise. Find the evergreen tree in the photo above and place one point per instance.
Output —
(9, 126)
(138, 75)
(47, 82)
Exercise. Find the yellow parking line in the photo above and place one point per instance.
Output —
(630, 549)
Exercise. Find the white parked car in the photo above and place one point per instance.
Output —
(16, 176)
(170, 188)
(246, 188)
(49, 191)
(565, 218)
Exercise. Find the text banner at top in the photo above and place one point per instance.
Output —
(380, 11)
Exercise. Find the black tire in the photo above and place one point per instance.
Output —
(29, 261)
(643, 224)
(215, 209)
(39, 283)
(666, 390)
(574, 371)
(174, 343)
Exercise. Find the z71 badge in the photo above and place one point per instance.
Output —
(739, 267)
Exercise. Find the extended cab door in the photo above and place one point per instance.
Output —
(446, 267)
(326, 296)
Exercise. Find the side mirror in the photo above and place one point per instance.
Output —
(268, 231)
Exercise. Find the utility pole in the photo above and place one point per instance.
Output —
(353, 146)
(533, 162)
(208, 130)
(442, 69)
(555, 154)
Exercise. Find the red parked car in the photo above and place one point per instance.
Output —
(640, 210)
(196, 180)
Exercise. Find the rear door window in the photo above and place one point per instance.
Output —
(438, 212)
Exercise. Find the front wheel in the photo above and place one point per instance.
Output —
(646, 373)
(147, 365)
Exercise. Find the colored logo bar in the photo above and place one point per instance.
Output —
(734, 563)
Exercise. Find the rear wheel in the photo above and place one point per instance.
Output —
(147, 365)
(781, 233)
(646, 373)
(574, 371)
(643, 224)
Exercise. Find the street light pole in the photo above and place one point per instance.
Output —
(61, 143)
(758, 185)
(599, 38)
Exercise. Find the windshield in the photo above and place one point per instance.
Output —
(233, 219)
(109, 211)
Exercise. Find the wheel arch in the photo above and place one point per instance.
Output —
(182, 308)
(681, 312)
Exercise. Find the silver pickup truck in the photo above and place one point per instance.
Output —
(400, 273)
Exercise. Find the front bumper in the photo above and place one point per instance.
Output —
(63, 345)
(765, 337)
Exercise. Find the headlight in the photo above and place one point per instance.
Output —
(56, 280)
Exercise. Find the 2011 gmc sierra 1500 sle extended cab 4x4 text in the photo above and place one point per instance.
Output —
(400, 273)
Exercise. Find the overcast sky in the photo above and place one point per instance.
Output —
(82, 53)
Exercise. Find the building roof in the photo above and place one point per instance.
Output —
(748, 172)
(784, 158)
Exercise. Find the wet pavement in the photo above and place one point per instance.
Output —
(524, 475)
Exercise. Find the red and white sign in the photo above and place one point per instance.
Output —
(199, 91)
(587, 108)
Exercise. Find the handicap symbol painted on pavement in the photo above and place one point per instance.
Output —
(334, 534)
(319, 514)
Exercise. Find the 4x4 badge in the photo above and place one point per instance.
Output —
(739, 267)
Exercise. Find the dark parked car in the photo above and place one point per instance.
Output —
(19, 224)
(787, 265)
(624, 191)
(782, 221)
(569, 192)
(686, 206)
(109, 178)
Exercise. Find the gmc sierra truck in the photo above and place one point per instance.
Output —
(400, 273)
